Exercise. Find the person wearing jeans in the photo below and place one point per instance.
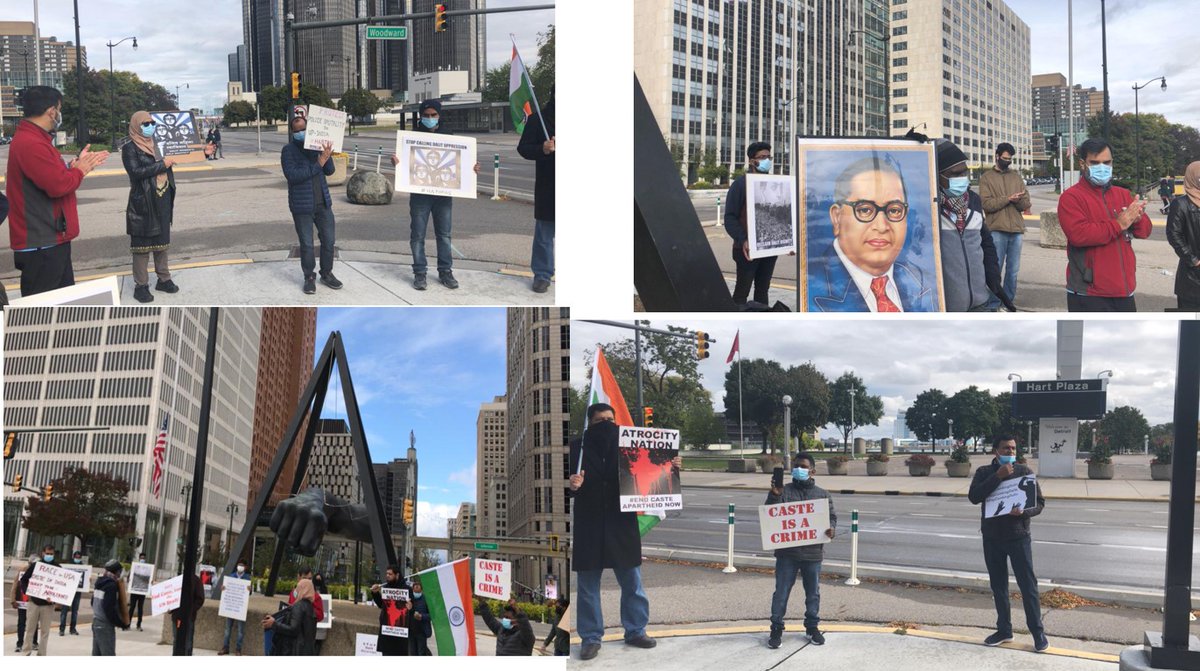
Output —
(230, 623)
(756, 272)
(1005, 199)
(537, 144)
(310, 204)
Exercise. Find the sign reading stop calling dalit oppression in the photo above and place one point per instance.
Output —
(165, 596)
(324, 125)
(789, 525)
(493, 579)
(365, 645)
(235, 597)
(647, 477)
(140, 576)
(176, 136)
(53, 584)
(435, 164)
(1019, 492)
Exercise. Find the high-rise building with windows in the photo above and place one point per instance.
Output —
(491, 459)
(462, 46)
(396, 481)
(463, 524)
(332, 465)
(1050, 108)
(960, 71)
(19, 57)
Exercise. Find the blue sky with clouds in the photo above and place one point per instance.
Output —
(426, 370)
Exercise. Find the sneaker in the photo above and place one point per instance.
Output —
(776, 638)
(62, 632)
(589, 651)
(310, 284)
(168, 287)
(540, 286)
(223, 651)
(141, 293)
(816, 636)
(74, 632)
(996, 639)
(447, 279)
(330, 281)
(1040, 643)
(419, 282)
(139, 627)
(18, 649)
(642, 641)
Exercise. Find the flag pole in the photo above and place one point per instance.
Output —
(162, 507)
(536, 107)
(741, 425)
(583, 436)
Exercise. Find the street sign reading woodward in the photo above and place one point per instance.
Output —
(1081, 399)
(387, 33)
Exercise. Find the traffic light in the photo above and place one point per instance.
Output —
(17, 482)
(701, 345)
(295, 86)
(647, 416)
(47, 491)
(439, 18)
(408, 512)
(11, 443)
(554, 543)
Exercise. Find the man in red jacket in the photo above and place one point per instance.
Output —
(42, 190)
(1100, 221)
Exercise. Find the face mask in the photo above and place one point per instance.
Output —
(76, 560)
(506, 623)
(416, 595)
(241, 569)
(1007, 459)
(429, 122)
(1100, 174)
(800, 474)
(57, 120)
(764, 165)
(298, 136)
(48, 557)
(958, 186)
(1002, 164)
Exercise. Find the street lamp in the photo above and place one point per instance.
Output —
(1146, 443)
(112, 90)
(1101, 373)
(24, 51)
(1016, 375)
(951, 432)
(1137, 123)
(787, 429)
(177, 87)
(932, 435)
(232, 508)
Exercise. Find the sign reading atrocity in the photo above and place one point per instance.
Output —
(393, 594)
(53, 584)
(435, 164)
(645, 470)
(792, 524)
(325, 125)
(1012, 493)
(165, 596)
(235, 597)
(493, 579)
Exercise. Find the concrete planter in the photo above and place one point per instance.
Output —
(877, 468)
(741, 466)
(838, 467)
(918, 471)
(1100, 471)
(958, 469)
(1160, 471)
(340, 164)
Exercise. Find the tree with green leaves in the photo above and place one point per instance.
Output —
(236, 112)
(542, 74)
(974, 413)
(273, 103)
(867, 409)
(927, 415)
(809, 389)
(495, 84)
(579, 404)
(1006, 423)
(311, 94)
(83, 504)
(701, 427)
(1125, 428)
(359, 103)
(764, 383)
(105, 113)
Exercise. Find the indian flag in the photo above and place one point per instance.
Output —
(520, 92)
(448, 592)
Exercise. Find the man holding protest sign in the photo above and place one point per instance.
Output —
(40, 610)
(392, 600)
(230, 623)
(514, 634)
(1006, 537)
(109, 610)
(310, 203)
(802, 550)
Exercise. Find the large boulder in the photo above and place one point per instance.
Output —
(369, 188)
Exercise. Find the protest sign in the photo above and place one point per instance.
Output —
(176, 136)
(789, 525)
(207, 572)
(493, 579)
(393, 594)
(235, 596)
(324, 125)
(53, 583)
(327, 621)
(647, 478)
(165, 596)
(1012, 493)
(400, 632)
(85, 576)
(551, 587)
(365, 645)
(435, 164)
(140, 577)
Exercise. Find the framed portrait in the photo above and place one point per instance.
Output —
(868, 236)
(770, 215)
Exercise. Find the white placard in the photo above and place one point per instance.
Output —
(393, 594)
(85, 576)
(493, 579)
(165, 596)
(401, 632)
(235, 597)
(770, 215)
(365, 645)
(104, 291)
(53, 583)
(324, 124)
(1058, 441)
(327, 622)
(141, 575)
(435, 164)
(551, 588)
(1019, 492)
(793, 524)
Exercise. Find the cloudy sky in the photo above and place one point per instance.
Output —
(188, 43)
(1146, 39)
(898, 360)
(425, 370)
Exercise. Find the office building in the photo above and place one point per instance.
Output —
(396, 481)
(237, 65)
(1050, 105)
(332, 465)
(262, 34)
(462, 46)
(961, 68)
(491, 458)
(900, 428)
(19, 57)
(327, 57)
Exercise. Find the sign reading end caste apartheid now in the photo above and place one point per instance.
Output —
(647, 477)
(493, 579)
(53, 584)
(789, 525)
(1012, 493)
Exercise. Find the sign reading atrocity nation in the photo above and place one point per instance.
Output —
(325, 125)
(53, 584)
(327, 621)
(770, 215)
(792, 524)
(84, 573)
(493, 578)
(140, 577)
(393, 593)
(235, 597)
(435, 164)
(1012, 493)
(365, 645)
(165, 596)
(645, 472)
(176, 136)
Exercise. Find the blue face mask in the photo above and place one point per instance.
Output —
(429, 122)
(764, 165)
(148, 131)
(1100, 174)
(958, 186)
(800, 474)
(417, 595)
(298, 136)
(1006, 459)
(48, 557)
(506, 623)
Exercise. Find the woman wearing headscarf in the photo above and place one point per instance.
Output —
(296, 631)
(150, 208)
(1183, 232)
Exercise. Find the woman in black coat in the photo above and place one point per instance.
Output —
(1183, 232)
(296, 632)
(150, 208)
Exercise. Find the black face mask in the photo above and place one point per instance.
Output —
(601, 433)
(1003, 164)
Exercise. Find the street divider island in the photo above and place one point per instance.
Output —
(792, 524)
(1011, 494)
(493, 579)
(53, 584)
(647, 477)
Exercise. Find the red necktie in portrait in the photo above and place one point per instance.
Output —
(879, 290)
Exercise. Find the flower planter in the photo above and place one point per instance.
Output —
(838, 467)
(958, 469)
(340, 164)
(1160, 471)
(918, 471)
(1100, 471)
(877, 468)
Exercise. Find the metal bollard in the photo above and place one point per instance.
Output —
(356, 157)
(729, 567)
(718, 211)
(496, 178)
(379, 159)
(853, 580)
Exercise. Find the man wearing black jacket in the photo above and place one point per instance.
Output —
(1006, 538)
(749, 271)
(536, 146)
(514, 634)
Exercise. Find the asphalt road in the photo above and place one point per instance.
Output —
(1075, 542)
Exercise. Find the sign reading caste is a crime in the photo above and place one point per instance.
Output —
(645, 470)
(493, 579)
(792, 524)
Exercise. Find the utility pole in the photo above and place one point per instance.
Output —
(1104, 64)
(81, 129)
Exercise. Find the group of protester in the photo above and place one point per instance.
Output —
(45, 219)
(109, 602)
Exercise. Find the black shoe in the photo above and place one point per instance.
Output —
(776, 638)
(996, 639)
(816, 636)
(139, 627)
(447, 279)
(61, 632)
(589, 651)
(330, 281)
(540, 286)
(310, 284)
(141, 293)
(168, 287)
(642, 641)
(1040, 643)
(419, 282)
(18, 649)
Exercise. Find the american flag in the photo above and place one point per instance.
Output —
(160, 452)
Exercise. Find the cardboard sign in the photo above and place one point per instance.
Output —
(165, 596)
(235, 597)
(324, 125)
(435, 164)
(85, 576)
(327, 622)
(648, 479)
(52, 583)
(177, 136)
(393, 594)
(792, 524)
(400, 632)
(140, 577)
(1012, 493)
(365, 645)
(493, 579)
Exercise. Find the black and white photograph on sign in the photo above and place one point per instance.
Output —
(175, 136)
(770, 216)
(140, 575)
(646, 471)
(436, 165)
(1012, 494)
